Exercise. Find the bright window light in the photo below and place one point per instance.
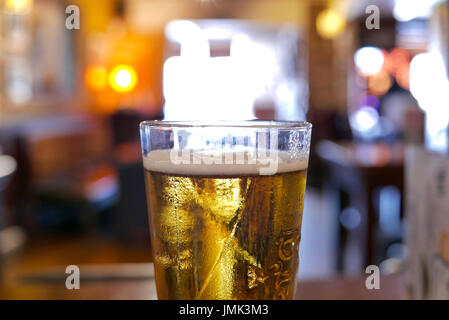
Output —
(428, 82)
(197, 86)
(429, 85)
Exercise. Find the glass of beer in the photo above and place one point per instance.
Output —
(225, 203)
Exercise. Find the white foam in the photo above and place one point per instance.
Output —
(200, 163)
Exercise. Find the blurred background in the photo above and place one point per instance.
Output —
(370, 75)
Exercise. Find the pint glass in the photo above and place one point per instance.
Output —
(225, 203)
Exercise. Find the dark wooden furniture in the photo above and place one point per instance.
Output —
(358, 170)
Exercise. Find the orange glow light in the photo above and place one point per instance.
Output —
(379, 83)
(397, 59)
(18, 6)
(123, 78)
(330, 24)
(96, 77)
(403, 76)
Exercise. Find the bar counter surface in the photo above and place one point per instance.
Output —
(133, 289)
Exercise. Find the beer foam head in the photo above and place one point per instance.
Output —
(222, 163)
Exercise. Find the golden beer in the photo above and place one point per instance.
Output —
(225, 236)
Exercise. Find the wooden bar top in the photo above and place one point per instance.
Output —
(106, 273)
(136, 282)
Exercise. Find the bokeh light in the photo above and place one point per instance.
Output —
(406, 10)
(368, 100)
(403, 76)
(364, 119)
(396, 59)
(7, 165)
(330, 23)
(18, 6)
(429, 84)
(379, 83)
(369, 60)
(350, 218)
(96, 77)
(123, 78)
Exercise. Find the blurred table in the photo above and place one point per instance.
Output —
(359, 169)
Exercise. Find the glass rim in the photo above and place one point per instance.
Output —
(264, 124)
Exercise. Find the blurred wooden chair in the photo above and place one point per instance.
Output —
(359, 170)
(59, 158)
(11, 237)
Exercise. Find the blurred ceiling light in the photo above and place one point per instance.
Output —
(379, 83)
(123, 78)
(364, 119)
(330, 23)
(369, 60)
(406, 10)
(96, 77)
(18, 6)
